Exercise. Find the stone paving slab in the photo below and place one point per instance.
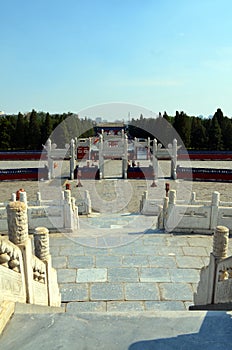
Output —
(106, 291)
(123, 274)
(176, 291)
(141, 291)
(152, 274)
(74, 292)
(91, 275)
(155, 271)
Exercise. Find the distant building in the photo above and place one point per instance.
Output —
(109, 128)
(98, 120)
(2, 114)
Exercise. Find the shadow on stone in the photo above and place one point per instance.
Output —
(213, 335)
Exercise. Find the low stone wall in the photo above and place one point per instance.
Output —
(57, 215)
(215, 286)
(26, 274)
(195, 217)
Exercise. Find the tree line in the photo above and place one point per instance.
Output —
(193, 132)
(31, 131)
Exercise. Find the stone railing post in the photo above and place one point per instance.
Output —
(13, 197)
(101, 157)
(41, 243)
(67, 209)
(72, 159)
(206, 285)
(68, 212)
(18, 234)
(17, 222)
(143, 201)
(193, 198)
(174, 159)
(214, 209)
(88, 202)
(165, 212)
(220, 242)
(155, 159)
(38, 198)
(171, 219)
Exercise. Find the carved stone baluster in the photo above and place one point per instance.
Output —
(220, 242)
(41, 242)
(17, 222)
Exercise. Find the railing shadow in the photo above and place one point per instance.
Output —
(214, 334)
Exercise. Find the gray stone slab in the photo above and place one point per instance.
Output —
(108, 261)
(195, 251)
(164, 306)
(148, 331)
(146, 250)
(151, 274)
(124, 274)
(176, 291)
(91, 306)
(87, 241)
(106, 291)
(126, 249)
(185, 275)
(91, 275)
(74, 292)
(191, 262)
(162, 261)
(60, 241)
(96, 251)
(206, 241)
(109, 242)
(59, 262)
(169, 251)
(138, 260)
(177, 240)
(154, 240)
(125, 306)
(66, 275)
(55, 251)
(141, 291)
(71, 250)
(81, 261)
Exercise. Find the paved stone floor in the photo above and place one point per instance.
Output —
(148, 271)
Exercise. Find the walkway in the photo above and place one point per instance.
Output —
(126, 270)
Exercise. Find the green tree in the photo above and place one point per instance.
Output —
(20, 132)
(46, 128)
(198, 134)
(34, 133)
(215, 135)
(5, 139)
(227, 133)
(182, 125)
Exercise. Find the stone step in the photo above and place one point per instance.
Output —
(21, 308)
(117, 331)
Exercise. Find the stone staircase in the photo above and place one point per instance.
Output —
(117, 331)
(131, 294)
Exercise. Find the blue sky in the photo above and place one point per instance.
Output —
(61, 56)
